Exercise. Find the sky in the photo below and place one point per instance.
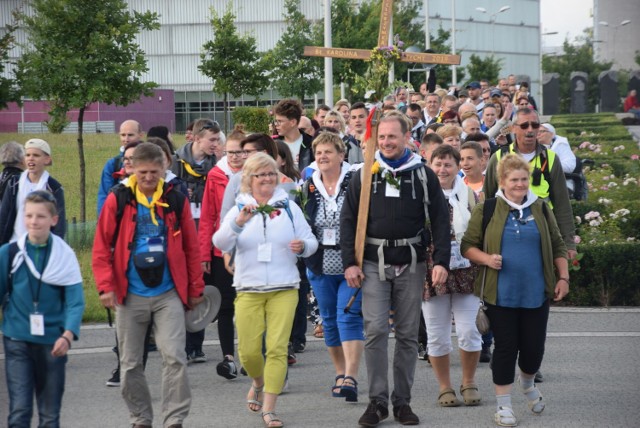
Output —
(567, 17)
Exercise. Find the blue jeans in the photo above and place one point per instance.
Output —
(31, 368)
(333, 294)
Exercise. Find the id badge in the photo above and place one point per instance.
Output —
(36, 322)
(195, 210)
(264, 252)
(329, 236)
(391, 191)
(156, 244)
(457, 261)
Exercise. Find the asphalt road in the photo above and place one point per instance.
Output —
(591, 370)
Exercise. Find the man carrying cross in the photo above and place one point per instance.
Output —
(405, 195)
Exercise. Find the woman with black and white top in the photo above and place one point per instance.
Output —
(321, 198)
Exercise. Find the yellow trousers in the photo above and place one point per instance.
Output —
(257, 313)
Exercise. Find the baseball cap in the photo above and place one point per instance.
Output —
(37, 143)
(473, 85)
(550, 128)
(463, 93)
(496, 93)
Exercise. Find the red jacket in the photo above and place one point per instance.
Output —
(210, 219)
(630, 102)
(183, 254)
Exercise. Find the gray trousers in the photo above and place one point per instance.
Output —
(403, 293)
(133, 318)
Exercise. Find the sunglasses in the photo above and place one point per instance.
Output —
(47, 196)
(525, 125)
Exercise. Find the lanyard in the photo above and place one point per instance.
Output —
(36, 300)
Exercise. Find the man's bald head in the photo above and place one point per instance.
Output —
(130, 131)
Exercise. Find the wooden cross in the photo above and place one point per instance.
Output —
(383, 40)
(363, 54)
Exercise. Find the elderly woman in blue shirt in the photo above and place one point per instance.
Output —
(525, 266)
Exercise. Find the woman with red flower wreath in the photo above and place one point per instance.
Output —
(268, 233)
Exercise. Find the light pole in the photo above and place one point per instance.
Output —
(615, 32)
(492, 21)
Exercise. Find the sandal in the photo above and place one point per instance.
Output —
(318, 331)
(255, 401)
(504, 417)
(447, 398)
(273, 422)
(338, 393)
(349, 390)
(470, 394)
(537, 405)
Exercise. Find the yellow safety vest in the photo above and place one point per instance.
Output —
(544, 166)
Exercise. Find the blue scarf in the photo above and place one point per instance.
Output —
(395, 163)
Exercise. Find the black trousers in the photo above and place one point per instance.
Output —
(519, 334)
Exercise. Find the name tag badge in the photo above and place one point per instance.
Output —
(391, 191)
(156, 244)
(457, 261)
(195, 210)
(264, 252)
(37, 324)
(329, 236)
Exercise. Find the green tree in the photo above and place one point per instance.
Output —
(576, 57)
(293, 73)
(487, 68)
(80, 52)
(356, 26)
(8, 89)
(232, 60)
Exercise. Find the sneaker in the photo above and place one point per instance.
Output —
(198, 357)
(291, 355)
(227, 369)
(114, 380)
(405, 415)
(485, 355)
(375, 413)
(539, 377)
(298, 348)
(422, 352)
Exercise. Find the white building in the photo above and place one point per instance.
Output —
(173, 51)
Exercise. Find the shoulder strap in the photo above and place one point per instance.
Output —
(13, 250)
(472, 198)
(487, 212)
(123, 197)
(422, 176)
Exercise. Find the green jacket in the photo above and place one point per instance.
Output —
(560, 195)
(550, 239)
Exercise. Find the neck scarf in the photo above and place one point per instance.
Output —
(459, 201)
(528, 200)
(62, 268)
(330, 200)
(143, 200)
(396, 163)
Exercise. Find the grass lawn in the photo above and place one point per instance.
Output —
(98, 148)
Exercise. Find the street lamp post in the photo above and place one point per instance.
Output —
(615, 32)
(492, 21)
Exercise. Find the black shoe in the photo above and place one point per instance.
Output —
(405, 415)
(114, 380)
(227, 369)
(538, 378)
(485, 355)
(198, 357)
(291, 355)
(298, 348)
(422, 351)
(243, 372)
(375, 413)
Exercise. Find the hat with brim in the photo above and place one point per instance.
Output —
(203, 314)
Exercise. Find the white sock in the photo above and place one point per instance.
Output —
(526, 383)
(503, 401)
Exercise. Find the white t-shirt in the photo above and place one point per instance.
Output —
(295, 149)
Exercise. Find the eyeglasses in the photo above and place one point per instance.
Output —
(525, 125)
(280, 122)
(235, 153)
(265, 175)
(47, 196)
(127, 159)
(485, 150)
(248, 152)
